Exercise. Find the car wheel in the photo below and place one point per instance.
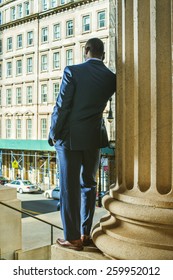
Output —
(47, 195)
(20, 191)
(58, 206)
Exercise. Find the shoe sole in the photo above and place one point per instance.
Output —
(75, 248)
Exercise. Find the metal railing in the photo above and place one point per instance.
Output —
(34, 217)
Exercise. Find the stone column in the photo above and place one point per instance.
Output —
(139, 224)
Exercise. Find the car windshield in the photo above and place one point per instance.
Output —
(27, 183)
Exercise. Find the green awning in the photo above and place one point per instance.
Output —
(36, 145)
(25, 145)
(108, 151)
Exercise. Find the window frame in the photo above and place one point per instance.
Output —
(29, 95)
(55, 91)
(44, 64)
(85, 24)
(44, 93)
(57, 34)
(28, 128)
(18, 128)
(9, 69)
(19, 41)
(30, 39)
(29, 65)
(8, 126)
(69, 29)
(18, 96)
(44, 37)
(8, 97)
(43, 124)
(100, 20)
(9, 44)
(18, 67)
(56, 61)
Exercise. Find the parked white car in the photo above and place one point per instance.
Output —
(23, 186)
(55, 193)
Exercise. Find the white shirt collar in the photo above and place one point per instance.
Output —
(94, 58)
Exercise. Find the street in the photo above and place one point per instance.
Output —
(36, 203)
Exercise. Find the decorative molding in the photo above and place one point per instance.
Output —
(40, 15)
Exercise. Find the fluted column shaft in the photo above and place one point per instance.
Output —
(140, 204)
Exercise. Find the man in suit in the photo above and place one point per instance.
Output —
(77, 131)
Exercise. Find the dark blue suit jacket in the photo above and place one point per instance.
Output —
(77, 116)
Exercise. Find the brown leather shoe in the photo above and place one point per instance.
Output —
(86, 240)
(73, 244)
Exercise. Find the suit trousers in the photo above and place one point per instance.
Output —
(77, 175)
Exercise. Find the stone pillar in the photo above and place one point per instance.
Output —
(139, 224)
(10, 224)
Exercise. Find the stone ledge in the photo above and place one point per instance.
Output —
(89, 253)
(43, 253)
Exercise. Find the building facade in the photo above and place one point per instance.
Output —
(37, 40)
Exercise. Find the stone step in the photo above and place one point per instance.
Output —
(89, 253)
(42, 253)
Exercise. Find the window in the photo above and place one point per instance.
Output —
(101, 19)
(8, 128)
(0, 18)
(9, 44)
(27, 8)
(8, 97)
(0, 97)
(9, 69)
(43, 93)
(55, 91)
(0, 71)
(44, 5)
(53, 3)
(19, 11)
(44, 62)
(13, 13)
(29, 65)
(69, 57)
(43, 128)
(30, 36)
(86, 23)
(44, 34)
(18, 96)
(18, 67)
(83, 54)
(69, 28)
(29, 129)
(56, 31)
(18, 128)
(56, 60)
(62, 2)
(0, 46)
(19, 41)
(29, 95)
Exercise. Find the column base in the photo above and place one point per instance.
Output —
(135, 232)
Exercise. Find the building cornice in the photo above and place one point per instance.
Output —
(6, 3)
(37, 16)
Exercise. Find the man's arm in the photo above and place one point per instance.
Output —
(63, 105)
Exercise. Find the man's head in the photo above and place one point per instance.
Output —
(94, 48)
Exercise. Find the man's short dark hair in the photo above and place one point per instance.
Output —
(96, 47)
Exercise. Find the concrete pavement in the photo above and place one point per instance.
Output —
(36, 234)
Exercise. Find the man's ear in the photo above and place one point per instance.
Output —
(103, 56)
(87, 50)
